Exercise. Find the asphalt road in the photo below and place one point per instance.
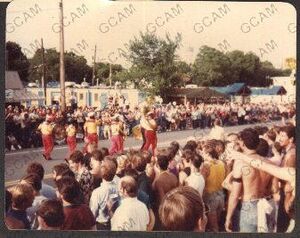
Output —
(17, 161)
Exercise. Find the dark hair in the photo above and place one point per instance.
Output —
(139, 163)
(52, 213)
(77, 157)
(262, 148)
(97, 155)
(290, 131)
(163, 161)
(250, 138)
(191, 144)
(131, 172)
(8, 201)
(197, 160)
(108, 169)
(59, 169)
(129, 184)
(181, 209)
(34, 180)
(188, 155)
(271, 134)
(69, 188)
(175, 146)
(146, 155)
(36, 168)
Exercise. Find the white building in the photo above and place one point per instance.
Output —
(95, 97)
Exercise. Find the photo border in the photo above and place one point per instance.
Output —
(76, 234)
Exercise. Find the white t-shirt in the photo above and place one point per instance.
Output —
(196, 181)
(131, 215)
(218, 133)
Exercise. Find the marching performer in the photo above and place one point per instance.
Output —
(150, 127)
(117, 136)
(71, 137)
(90, 130)
(46, 129)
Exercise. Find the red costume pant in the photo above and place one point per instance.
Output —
(48, 145)
(151, 140)
(71, 141)
(91, 138)
(117, 144)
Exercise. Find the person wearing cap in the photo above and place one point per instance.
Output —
(150, 126)
(46, 129)
(117, 136)
(71, 137)
(90, 129)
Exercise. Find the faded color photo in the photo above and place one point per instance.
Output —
(150, 116)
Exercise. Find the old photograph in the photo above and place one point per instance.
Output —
(150, 116)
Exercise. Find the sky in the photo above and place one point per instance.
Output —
(264, 28)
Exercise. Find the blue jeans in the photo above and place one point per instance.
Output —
(248, 216)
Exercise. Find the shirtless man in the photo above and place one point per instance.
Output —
(286, 140)
(248, 184)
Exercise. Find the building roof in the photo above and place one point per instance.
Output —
(201, 92)
(20, 95)
(12, 80)
(234, 89)
(275, 90)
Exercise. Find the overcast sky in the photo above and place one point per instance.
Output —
(267, 29)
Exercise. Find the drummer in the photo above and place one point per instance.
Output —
(46, 129)
(90, 130)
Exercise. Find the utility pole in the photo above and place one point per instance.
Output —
(61, 60)
(94, 67)
(110, 75)
(44, 72)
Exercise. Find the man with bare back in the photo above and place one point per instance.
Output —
(250, 185)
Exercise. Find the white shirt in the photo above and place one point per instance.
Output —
(131, 215)
(218, 133)
(100, 198)
(196, 181)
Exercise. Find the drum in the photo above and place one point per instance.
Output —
(59, 133)
(137, 132)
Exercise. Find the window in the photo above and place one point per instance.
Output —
(81, 96)
(96, 97)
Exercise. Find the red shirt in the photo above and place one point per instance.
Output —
(78, 217)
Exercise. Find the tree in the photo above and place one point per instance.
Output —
(76, 68)
(17, 61)
(153, 63)
(211, 67)
(102, 71)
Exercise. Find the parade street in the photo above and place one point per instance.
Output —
(17, 161)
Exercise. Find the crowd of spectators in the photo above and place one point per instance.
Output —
(199, 186)
(21, 123)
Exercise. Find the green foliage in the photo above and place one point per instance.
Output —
(214, 68)
(102, 72)
(17, 61)
(154, 68)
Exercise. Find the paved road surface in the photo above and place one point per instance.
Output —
(17, 161)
